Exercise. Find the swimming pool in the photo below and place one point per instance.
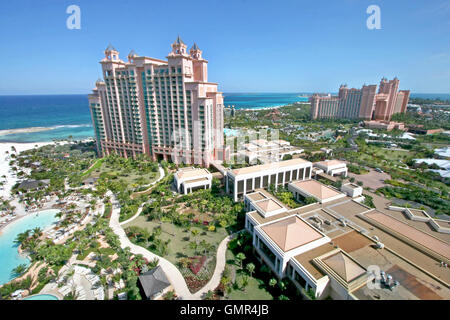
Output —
(9, 256)
(42, 297)
(230, 132)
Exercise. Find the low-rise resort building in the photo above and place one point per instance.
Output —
(191, 179)
(338, 247)
(268, 151)
(332, 167)
(239, 182)
(330, 244)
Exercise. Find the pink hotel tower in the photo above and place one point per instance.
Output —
(165, 109)
(363, 103)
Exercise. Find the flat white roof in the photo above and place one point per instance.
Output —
(270, 166)
(186, 173)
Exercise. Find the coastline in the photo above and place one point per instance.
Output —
(268, 107)
(5, 169)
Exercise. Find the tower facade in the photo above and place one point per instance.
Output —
(164, 108)
(364, 103)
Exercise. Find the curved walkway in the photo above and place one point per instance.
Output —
(173, 274)
(161, 176)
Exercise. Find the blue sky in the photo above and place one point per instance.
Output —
(252, 46)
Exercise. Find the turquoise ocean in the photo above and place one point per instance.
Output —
(60, 116)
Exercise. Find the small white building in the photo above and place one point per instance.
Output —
(190, 179)
(352, 190)
(332, 167)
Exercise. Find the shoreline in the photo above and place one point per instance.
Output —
(267, 107)
(5, 169)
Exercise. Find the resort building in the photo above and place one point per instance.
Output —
(342, 249)
(31, 184)
(314, 189)
(268, 151)
(239, 182)
(164, 108)
(263, 202)
(384, 125)
(188, 180)
(364, 103)
(332, 167)
(281, 240)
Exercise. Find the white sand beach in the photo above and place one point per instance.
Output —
(11, 178)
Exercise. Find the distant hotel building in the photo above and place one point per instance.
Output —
(165, 109)
(364, 103)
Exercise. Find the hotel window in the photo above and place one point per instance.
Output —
(308, 172)
(249, 185)
(288, 176)
(257, 182)
(272, 179)
(299, 279)
(240, 186)
(300, 174)
(265, 181)
(280, 177)
(267, 252)
(294, 174)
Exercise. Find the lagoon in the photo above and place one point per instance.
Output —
(9, 256)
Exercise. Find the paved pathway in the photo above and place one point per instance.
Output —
(173, 274)
(138, 212)
(220, 267)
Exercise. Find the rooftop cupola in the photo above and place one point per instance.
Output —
(195, 52)
(111, 53)
(179, 47)
(131, 56)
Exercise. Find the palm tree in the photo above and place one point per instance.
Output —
(22, 237)
(19, 270)
(27, 283)
(154, 263)
(250, 268)
(244, 282)
(240, 257)
(272, 282)
(37, 232)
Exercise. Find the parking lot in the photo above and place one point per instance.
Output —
(373, 179)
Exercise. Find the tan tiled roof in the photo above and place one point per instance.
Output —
(306, 259)
(416, 235)
(269, 166)
(291, 233)
(268, 205)
(345, 267)
(255, 196)
(317, 189)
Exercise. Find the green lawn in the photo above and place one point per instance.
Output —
(132, 178)
(254, 290)
(179, 239)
